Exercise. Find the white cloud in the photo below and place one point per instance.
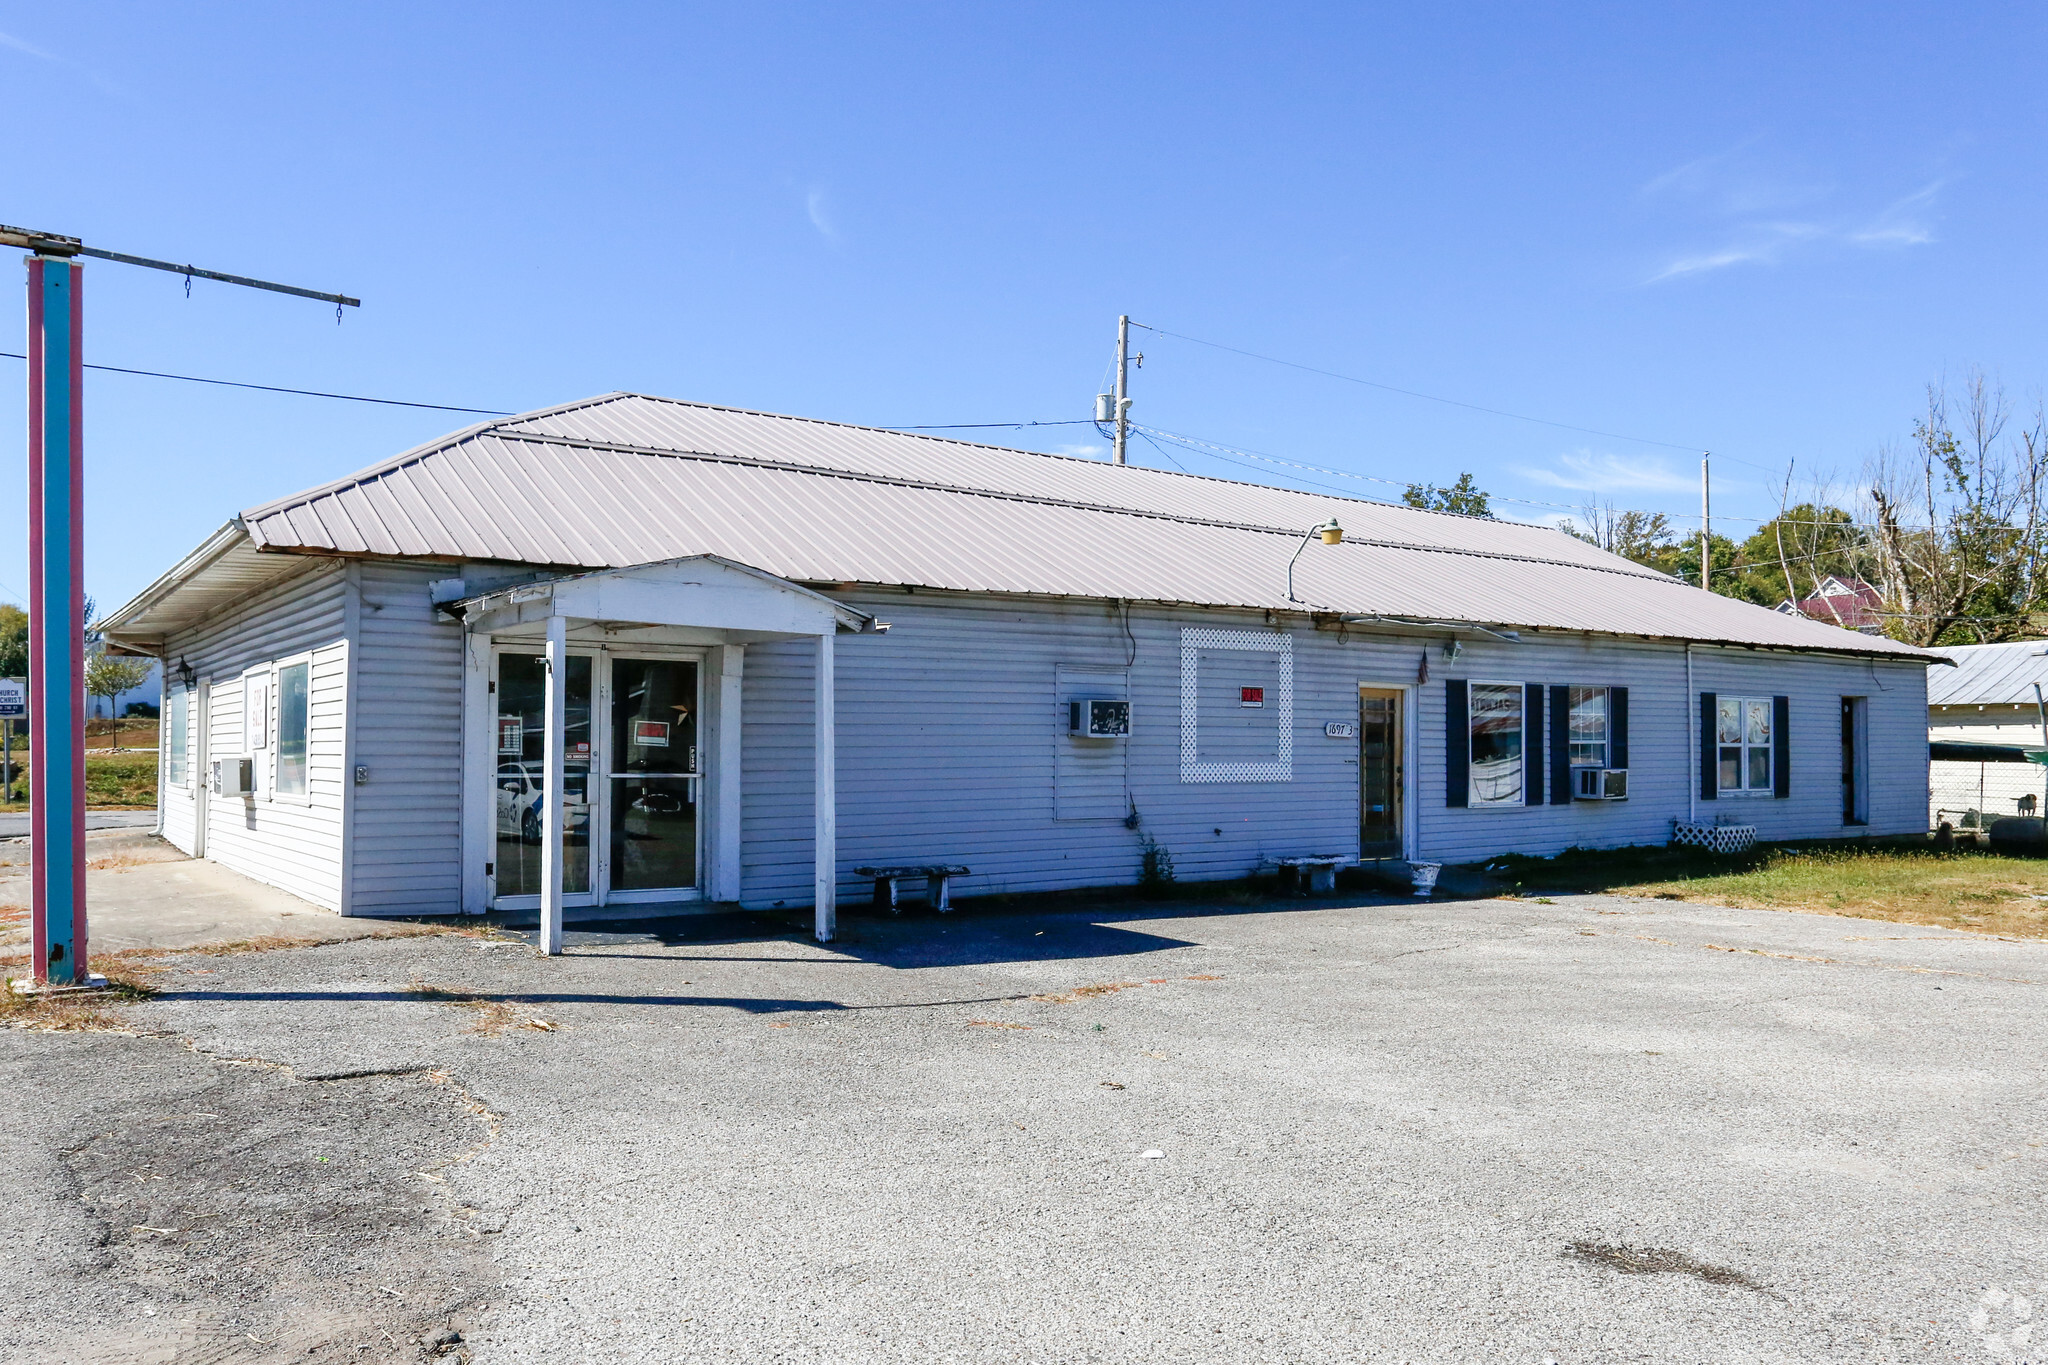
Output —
(1596, 472)
(8, 40)
(1903, 223)
(1761, 244)
(814, 205)
(1745, 196)
(1080, 452)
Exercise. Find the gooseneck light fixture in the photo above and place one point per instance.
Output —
(1332, 534)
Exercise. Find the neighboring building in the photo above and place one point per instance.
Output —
(1983, 716)
(1029, 664)
(1849, 603)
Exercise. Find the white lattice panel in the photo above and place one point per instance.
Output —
(1714, 838)
(1192, 769)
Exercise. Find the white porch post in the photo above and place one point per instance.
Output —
(826, 786)
(726, 780)
(552, 731)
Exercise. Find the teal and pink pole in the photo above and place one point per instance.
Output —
(56, 642)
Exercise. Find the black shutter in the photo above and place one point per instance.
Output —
(1781, 747)
(1617, 727)
(1710, 787)
(1560, 746)
(1532, 744)
(1457, 744)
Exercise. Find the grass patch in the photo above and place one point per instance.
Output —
(113, 781)
(491, 1014)
(128, 982)
(1906, 883)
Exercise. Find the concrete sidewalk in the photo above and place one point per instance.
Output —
(143, 893)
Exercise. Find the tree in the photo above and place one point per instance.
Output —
(1960, 521)
(1644, 537)
(13, 641)
(1464, 497)
(109, 675)
(1794, 552)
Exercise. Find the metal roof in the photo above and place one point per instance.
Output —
(1990, 675)
(627, 479)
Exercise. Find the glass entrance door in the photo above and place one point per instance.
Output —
(630, 770)
(653, 775)
(1379, 773)
(521, 721)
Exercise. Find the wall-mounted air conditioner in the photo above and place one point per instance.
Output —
(1099, 718)
(234, 777)
(1600, 784)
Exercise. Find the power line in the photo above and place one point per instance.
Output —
(1414, 393)
(1212, 448)
(974, 426)
(1167, 455)
(273, 388)
(1437, 398)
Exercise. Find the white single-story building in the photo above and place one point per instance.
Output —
(790, 648)
(1983, 717)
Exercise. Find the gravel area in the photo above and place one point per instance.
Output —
(1360, 1129)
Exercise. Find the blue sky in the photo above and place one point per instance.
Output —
(1760, 230)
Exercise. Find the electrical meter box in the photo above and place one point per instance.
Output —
(1099, 718)
(234, 777)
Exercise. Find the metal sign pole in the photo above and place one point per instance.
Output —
(56, 488)
(56, 628)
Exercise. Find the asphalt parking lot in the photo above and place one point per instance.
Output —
(1363, 1129)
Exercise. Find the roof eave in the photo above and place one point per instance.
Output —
(209, 552)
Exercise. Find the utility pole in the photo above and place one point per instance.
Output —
(1123, 385)
(1706, 525)
(56, 628)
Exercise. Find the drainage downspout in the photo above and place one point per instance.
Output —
(1692, 720)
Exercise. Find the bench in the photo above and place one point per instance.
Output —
(935, 875)
(1320, 870)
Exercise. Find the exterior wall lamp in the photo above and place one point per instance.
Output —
(186, 675)
(1332, 534)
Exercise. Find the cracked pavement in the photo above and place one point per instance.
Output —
(1359, 1128)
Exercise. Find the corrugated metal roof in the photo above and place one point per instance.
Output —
(1990, 675)
(627, 479)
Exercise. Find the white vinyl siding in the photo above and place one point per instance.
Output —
(407, 821)
(294, 845)
(951, 744)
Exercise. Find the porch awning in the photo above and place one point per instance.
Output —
(728, 602)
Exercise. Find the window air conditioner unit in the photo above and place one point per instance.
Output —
(1600, 784)
(1099, 719)
(234, 777)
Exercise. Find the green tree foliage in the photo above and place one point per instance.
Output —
(13, 641)
(1464, 497)
(1793, 553)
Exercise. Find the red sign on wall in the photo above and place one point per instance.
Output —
(1251, 696)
